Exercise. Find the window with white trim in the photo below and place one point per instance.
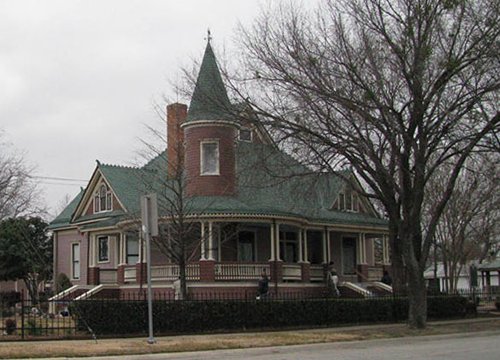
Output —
(132, 248)
(209, 158)
(103, 246)
(103, 199)
(75, 261)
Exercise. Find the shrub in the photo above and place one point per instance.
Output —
(10, 326)
(130, 317)
(62, 282)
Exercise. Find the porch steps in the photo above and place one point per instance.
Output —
(364, 289)
(71, 293)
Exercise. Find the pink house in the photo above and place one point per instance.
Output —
(253, 206)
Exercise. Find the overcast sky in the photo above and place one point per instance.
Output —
(79, 78)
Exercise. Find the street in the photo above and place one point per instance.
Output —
(483, 345)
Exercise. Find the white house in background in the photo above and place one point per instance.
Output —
(463, 279)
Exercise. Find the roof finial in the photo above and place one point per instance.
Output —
(209, 35)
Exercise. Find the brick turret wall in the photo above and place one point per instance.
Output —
(223, 184)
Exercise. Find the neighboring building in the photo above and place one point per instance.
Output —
(291, 226)
(463, 281)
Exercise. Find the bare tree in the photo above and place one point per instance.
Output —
(19, 194)
(393, 88)
(182, 238)
(469, 226)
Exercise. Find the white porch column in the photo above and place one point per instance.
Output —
(210, 241)
(361, 249)
(306, 254)
(328, 247)
(123, 243)
(202, 242)
(277, 242)
(301, 252)
(323, 243)
(385, 250)
(92, 251)
(273, 246)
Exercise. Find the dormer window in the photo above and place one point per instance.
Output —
(103, 199)
(246, 134)
(348, 202)
(209, 158)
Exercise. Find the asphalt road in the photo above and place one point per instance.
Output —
(482, 345)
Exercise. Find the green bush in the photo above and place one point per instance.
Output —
(62, 282)
(10, 326)
(130, 317)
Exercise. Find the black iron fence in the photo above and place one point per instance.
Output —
(110, 315)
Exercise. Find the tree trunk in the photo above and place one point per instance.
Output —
(397, 264)
(417, 299)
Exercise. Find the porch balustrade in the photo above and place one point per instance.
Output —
(227, 271)
(317, 273)
(129, 274)
(292, 272)
(107, 276)
(171, 272)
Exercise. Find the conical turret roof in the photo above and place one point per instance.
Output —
(209, 100)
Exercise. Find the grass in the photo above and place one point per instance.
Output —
(71, 348)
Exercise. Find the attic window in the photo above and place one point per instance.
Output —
(103, 199)
(348, 202)
(246, 134)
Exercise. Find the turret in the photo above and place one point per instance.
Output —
(209, 134)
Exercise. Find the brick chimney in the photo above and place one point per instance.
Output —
(176, 114)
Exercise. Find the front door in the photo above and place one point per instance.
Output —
(349, 256)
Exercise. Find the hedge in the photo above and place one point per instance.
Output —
(130, 317)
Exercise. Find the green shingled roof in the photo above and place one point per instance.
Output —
(63, 219)
(270, 183)
(209, 100)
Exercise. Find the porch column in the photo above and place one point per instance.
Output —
(328, 246)
(361, 249)
(301, 253)
(273, 246)
(306, 253)
(277, 242)
(202, 242)
(210, 241)
(323, 243)
(91, 251)
(385, 246)
(361, 258)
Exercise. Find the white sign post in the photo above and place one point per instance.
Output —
(149, 215)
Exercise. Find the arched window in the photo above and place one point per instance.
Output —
(103, 199)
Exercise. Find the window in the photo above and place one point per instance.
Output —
(103, 243)
(103, 200)
(75, 261)
(245, 134)
(209, 158)
(288, 246)
(341, 201)
(348, 202)
(246, 246)
(132, 248)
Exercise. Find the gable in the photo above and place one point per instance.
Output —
(99, 198)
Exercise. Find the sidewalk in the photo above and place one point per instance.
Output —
(129, 346)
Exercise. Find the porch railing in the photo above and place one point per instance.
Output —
(171, 272)
(130, 274)
(316, 273)
(292, 272)
(107, 276)
(228, 271)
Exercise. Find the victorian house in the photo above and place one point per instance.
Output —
(255, 209)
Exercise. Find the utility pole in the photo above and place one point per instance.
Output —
(149, 212)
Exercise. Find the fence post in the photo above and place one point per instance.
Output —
(22, 314)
